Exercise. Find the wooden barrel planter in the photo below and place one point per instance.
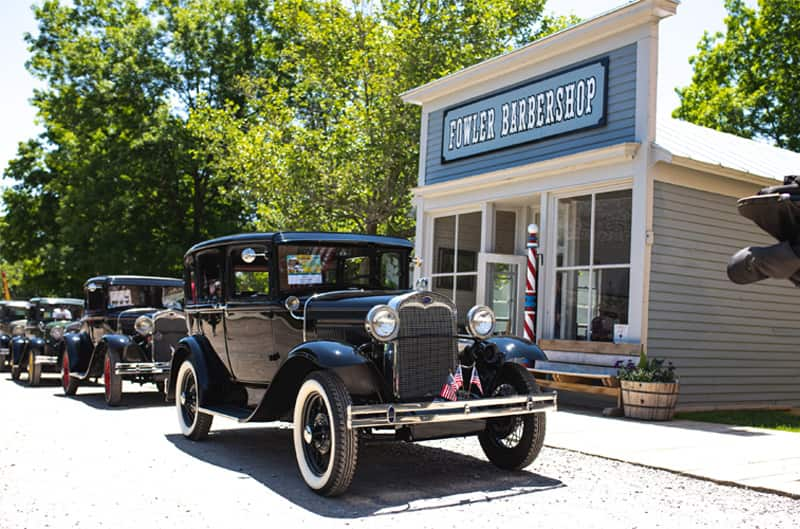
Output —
(651, 401)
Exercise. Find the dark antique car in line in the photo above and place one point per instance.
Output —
(12, 323)
(41, 347)
(320, 329)
(129, 331)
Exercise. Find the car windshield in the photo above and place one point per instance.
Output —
(172, 298)
(319, 268)
(138, 296)
(15, 313)
(59, 311)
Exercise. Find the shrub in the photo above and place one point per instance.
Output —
(647, 370)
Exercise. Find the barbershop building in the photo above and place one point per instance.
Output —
(637, 215)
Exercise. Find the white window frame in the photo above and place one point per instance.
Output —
(455, 275)
(551, 271)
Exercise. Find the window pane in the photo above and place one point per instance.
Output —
(610, 304)
(391, 272)
(465, 300)
(612, 228)
(251, 283)
(469, 241)
(572, 305)
(574, 229)
(444, 244)
(505, 225)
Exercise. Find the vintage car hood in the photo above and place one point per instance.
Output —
(348, 305)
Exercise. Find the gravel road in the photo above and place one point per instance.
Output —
(71, 462)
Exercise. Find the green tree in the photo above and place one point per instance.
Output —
(325, 141)
(745, 81)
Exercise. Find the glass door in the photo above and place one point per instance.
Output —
(503, 290)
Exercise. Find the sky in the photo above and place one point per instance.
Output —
(679, 36)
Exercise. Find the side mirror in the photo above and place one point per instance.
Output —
(249, 255)
(292, 304)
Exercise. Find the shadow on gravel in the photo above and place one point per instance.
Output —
(391, 477)
(136, 400)
(44, 382)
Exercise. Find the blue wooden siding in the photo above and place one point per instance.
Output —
(619, 128)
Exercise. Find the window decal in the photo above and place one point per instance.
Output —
(120, 298)
(304, 269)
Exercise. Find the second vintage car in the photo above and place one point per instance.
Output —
(41, 347)
(320, 329)
(12, 323)
(129, 331)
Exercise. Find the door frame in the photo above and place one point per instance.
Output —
(484, 259)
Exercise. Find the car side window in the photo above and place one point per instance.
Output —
(250, 280)
(209, 277)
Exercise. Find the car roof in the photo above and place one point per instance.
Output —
(136, 281)
(16, 303)
(285, 237)
(58, 301)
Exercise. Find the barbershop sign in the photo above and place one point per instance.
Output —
(559, 104)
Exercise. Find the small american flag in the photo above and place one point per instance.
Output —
(475, 380)
(449, 389)
(458, 379)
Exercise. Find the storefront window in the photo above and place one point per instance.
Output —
(592, 266)
(456, 245)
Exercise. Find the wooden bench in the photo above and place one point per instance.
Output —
(584, 367)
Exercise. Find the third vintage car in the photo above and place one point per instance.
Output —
(12, 323)
(321, 329)
(41, 347)
(129, 331)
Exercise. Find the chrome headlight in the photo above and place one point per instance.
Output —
(382, 323)
(480, 321)
(56, 333)
(18, 330)
(144, 325)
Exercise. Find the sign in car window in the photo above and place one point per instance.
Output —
(304, 269)
(120, 298)
(562, 103)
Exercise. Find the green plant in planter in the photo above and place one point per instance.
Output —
(647, 370)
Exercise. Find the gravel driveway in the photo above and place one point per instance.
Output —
(70, 462)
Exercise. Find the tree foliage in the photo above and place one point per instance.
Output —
(745, 81)
(170, 121)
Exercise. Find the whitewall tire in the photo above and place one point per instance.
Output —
(194, 423)
(325, 449)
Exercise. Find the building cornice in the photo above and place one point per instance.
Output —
(600, 27)
(661, 155)
(620, 153)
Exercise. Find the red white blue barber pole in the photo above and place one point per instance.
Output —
(530, 283)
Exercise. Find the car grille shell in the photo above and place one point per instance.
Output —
(426, 347)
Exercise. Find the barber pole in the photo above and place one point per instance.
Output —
(530, 284)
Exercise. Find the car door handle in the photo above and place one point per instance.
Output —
(274, 357)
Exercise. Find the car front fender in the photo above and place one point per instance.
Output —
(18, 348)
(518, 350)
(213, 378)
(78, 347)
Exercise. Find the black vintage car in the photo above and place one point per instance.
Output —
(321, 329)
(12, 323)
(41, 347)
(129, 331)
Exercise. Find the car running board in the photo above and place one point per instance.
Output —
(231, 412)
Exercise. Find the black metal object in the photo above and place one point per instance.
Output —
(776, 210)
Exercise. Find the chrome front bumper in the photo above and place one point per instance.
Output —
(141, 368)
(45, 360)
(389, 415)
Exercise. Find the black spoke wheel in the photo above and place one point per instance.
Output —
(513, 442)
(194, 423)
(325, 448)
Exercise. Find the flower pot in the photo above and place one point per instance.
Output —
(651, 401)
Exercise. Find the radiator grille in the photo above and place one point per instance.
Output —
(426, 348)
(167, 330)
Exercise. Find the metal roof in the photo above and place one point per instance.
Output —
(16, 303)
(302, 237)
(136, 281)
(709, 146)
